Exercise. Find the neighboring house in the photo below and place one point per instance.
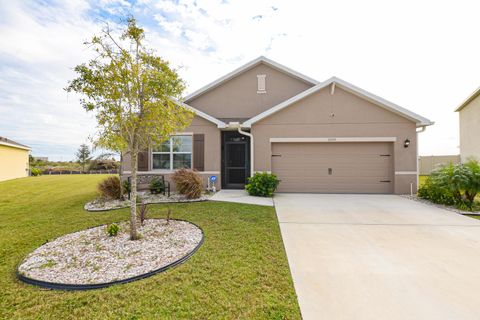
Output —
(13, 159)
(40, 159)
(469, 112)
(429, 163)
(328, 137)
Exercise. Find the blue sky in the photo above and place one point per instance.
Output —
(419, 54)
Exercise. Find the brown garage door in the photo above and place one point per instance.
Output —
(341, 167)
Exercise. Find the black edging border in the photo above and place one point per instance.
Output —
(83, 287)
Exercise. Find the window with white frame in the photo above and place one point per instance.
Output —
(173, 154)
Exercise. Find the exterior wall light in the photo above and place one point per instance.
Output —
(406, 143)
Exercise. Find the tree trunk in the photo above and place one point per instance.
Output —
(133, 197)
(470, 196)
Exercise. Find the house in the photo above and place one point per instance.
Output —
(326, 137)
(45, 159)
(469, 113)
(13, 159)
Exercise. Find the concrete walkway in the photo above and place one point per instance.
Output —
(380, 257)
(241, 196)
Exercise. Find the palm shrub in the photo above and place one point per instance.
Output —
(262, 184)
(188, 182)
(472, 185)
(110, 188)
(453, 185)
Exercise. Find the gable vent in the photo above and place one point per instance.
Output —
(261, 84)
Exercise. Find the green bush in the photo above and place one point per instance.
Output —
(113, 229)
(262, 184)
(454, 185)
(35, 172)
(127, 187)
(110, 188)
(435, 193)
(156, 186)
(188, 183)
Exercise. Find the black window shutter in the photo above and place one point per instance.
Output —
(199, 152)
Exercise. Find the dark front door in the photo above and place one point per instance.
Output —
(235, 160)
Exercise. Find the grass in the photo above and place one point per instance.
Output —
(240, 272)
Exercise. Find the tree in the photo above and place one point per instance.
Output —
(133, 94)
(83, 155)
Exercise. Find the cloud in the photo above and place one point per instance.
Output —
(420, 55)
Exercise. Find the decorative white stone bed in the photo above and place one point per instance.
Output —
(91, 256)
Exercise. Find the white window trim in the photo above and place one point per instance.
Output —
(171, 153)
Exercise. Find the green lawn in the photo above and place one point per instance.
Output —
(240, 272)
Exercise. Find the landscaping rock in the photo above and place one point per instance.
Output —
(92, 256)
(145, 196)
(449, 208)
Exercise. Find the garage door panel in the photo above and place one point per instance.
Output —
(355, 167)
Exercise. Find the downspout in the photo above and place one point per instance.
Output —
(418, 158)
(252, 159)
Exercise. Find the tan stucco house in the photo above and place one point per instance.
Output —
(469, 113)
(326, 137)
(13, 159)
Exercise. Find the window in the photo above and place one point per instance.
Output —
(176, 153)
(261, 85)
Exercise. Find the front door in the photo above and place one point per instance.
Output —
(235, 160)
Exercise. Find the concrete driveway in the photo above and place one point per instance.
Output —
(380, 257)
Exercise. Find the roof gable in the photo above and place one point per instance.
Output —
(246, 67)
(419, 120)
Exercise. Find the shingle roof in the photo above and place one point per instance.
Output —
(7, 142)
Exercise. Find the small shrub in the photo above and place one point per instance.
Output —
(110, 188)
(262, 184)
(127, 187)
(188, 182)
(431, 190)
(143, 212)
(455, 185)
(156, 186)
(35, 172)
(113, 229)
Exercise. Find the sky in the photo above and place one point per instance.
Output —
(422, 55)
